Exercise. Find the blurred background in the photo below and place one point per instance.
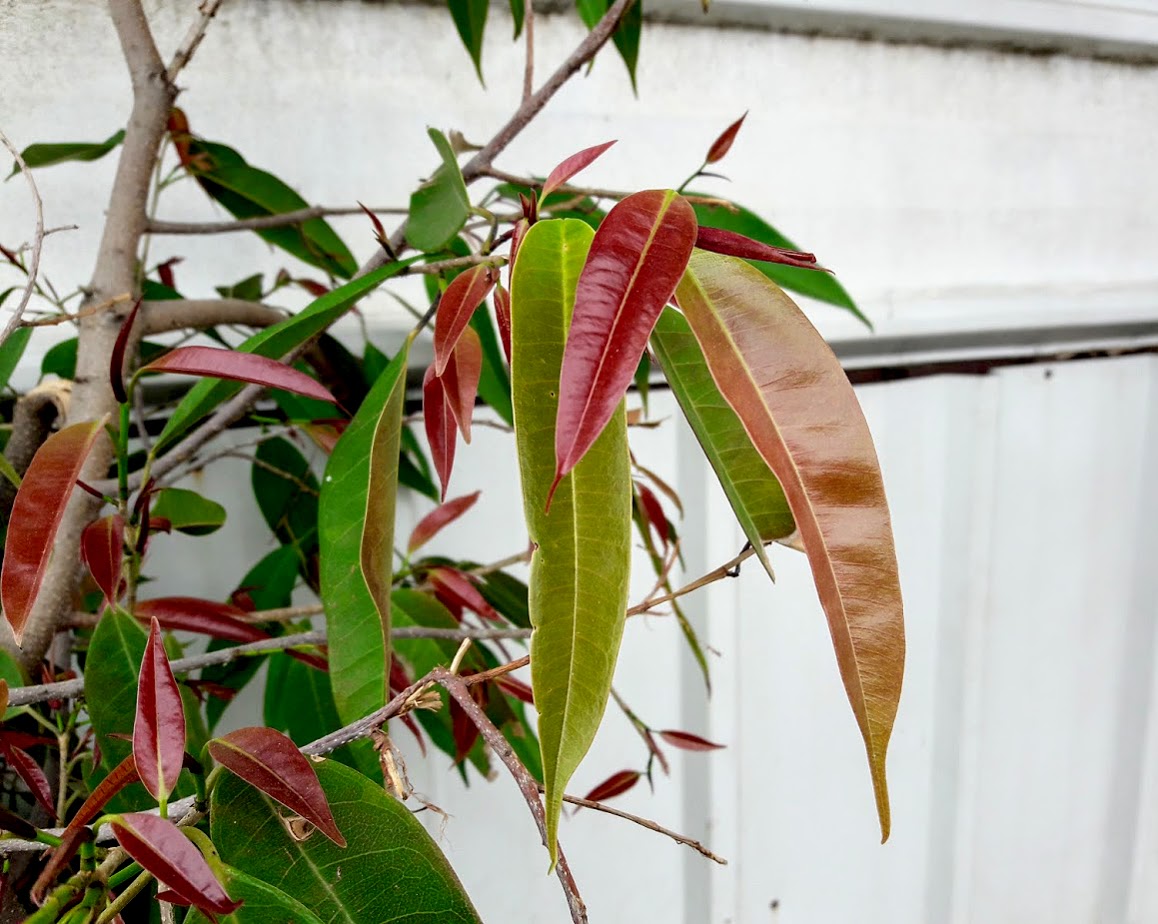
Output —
(981, 177)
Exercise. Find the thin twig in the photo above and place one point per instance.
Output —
(649, 824)
(65, 317)
(728, 569)
(37, 241)
(280, 220)
(193, 37)
(594, 192)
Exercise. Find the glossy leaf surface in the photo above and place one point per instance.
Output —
(717, 240)
(36, 514)
(391, 869)
(159, 728)
(239, 367)
(570, 167)
(456, 590)
(615, 785)
(102, 548)
(752, 490)
(206, 617)
(464, 294)
(356, 532)
(803, 417)
(461, 378)
(271, 762)
(440, 425)
(579, 570)
(261, 902)
(440, 206)
(438, 519)
(47, 155)
(188, 512)
(635, 261)
(723, 144)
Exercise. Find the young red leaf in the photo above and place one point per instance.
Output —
(102, 548)
(239, 367)
(29, 771)
(36, 514)
(379, 232)
(503, 316)
(160, 847)
(271, 762)
(512, 686)
(723, 144)
(464, 294)
(159, 727)
(441, 433)
(615, 785)
(717, 240)
(117, 357)
(165, 271)
(571, 166)
(636, 259)
(463, 730)
(192, 614)
(688, 741)
(460, 380)
(653, 510)
(455, 589)
(430, 525)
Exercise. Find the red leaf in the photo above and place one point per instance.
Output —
(29, 771)
(430, 525)
(239, 367)
(102, 548)
(36, 515)
(688, 741)
(438, 420)
(636, 259)
(615, 785)
(512, 686)
(117, 357)
(723, 144)
(192, 614)
(464, 294)
(326, 432)
(379, 231)
(455, 589)
(165, 271)
(718, 240)
(653, 510)
(271, 762)
(315, 288)
(464, 730)
(160, 847)
(121, 776)
(159, 728)
(460, 380)
(570, 167)
(503, 316)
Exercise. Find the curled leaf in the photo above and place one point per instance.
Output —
(718, 240)
(117, 358)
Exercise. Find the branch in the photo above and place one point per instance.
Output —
(193, 37)
(647, 823)
(280, 220)
(728, 569)
(37, 241)
(177, 314)
(529, 66)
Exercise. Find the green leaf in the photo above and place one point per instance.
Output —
(518, 12)
(356, 528)
(11, 352)
(153, 291)
(820, 286)
(494, 385)
(46, 155)
(287, 493)
(263, 904)
(579, 571)
(60, 359)
(188, 511)
(470, 19)
(752, 490)
(273, 342)
(248, 289)
(626, 34)
(391, 871)
(9, 472)
(802, 415)
(440, 206)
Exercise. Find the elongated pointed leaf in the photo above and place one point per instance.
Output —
(717, 240)
(159, 729)
(579, 570)
(160, 847)
(494, 383)
(188, 512)
(470, 19)
(117, 358)
(615, 785)
(207, 617)
(36, 514)
(11, 351)
(102, 548)
(636, 259)
(749, 484)
(503, 316)
(239, 367)
(440, 517)
(627, 33)
(571, 166)
(440, 206)
(464, 294)
(356, 532)
(392, 871)
(687, 741)
(47, 155)
(456, 590)
(461, 378)
(269, 761)
(723, 144)
(29, 771)
(439, 423)
(800, 411)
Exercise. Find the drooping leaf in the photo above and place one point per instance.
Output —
(160, 847)
(440, 206)
(287, 490)
(440, 517)
(239, 367)
(820, 286)
(207, 617)
(653, 512)
(718, 240)
(48, 155)
(579, 570)
(188, 512)
(274, 342)
(36, 514)
(271, 762)
(615, 785)
(11, 352)
(470, 19)
(460, 380)
(627, 33)
(456, 590)
(356, 530)
(636, 259)
(687, 741)
(102, 548)
(464, 294)
(752, 490)
(391, 869)
(571, 166)
(117, 357)
(494, 384)
(439, 423)
(802, 415)
(517, 14)
(642, 380)
(723, 144)
(159, 728)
